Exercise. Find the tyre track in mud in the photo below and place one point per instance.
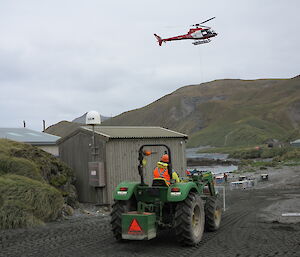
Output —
(228, 220)
(54, 238)
(90, 239)
(165, 244)
(241, 234)
(249, 236)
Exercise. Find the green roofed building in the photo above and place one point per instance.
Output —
(114, 158)
(42, 140)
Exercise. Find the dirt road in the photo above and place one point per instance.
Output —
(244, 232)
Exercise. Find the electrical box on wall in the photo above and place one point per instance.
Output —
(96, 174)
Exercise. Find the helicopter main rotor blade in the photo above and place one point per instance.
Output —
(207, 20)
(199, 24)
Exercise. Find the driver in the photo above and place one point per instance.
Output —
(161, 171)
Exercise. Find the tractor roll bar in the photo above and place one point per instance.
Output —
(141, 157)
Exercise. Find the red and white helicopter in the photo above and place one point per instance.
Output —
(201, 34)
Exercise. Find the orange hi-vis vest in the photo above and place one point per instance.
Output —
(162, 173)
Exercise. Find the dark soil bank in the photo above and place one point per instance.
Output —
(244, 232)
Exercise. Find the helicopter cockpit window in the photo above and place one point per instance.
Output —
(204, 32)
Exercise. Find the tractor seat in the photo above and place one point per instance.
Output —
(159, 182)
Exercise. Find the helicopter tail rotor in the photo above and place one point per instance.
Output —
(159, 40)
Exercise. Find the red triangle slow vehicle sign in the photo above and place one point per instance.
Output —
(135, 228)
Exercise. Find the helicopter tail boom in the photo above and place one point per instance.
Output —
(159, 40)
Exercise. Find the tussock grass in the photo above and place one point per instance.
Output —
(48, 166)
(292, 155)
(241, 152)
(279, 154)
(29, 161)
(252, 157)
(15, 214)
(26, 202)
(34, 185)
(19, 166)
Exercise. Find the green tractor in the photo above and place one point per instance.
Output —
(188, 207)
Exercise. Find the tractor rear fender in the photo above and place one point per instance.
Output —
(181, 191)
(125, 190)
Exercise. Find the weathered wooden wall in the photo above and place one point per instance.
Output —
(76, 152)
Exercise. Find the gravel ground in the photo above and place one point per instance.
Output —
(251, 226)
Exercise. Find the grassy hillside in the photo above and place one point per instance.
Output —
(225, 112)
(62, 128)
(34, 185)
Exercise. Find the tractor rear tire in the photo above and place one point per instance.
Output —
(189, 220)
(213, 214)
(118, 208)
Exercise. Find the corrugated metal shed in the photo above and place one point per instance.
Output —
(117, 149)
(26, 135)
(114, 132)
(137, 132)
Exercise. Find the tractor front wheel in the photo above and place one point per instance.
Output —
(189, 220)
(213, 213)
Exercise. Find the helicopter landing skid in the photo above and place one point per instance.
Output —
(202, 41)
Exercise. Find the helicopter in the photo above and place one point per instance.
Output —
(201, 34)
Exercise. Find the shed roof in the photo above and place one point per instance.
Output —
(128, 132)
(28, 136)
(135, 132)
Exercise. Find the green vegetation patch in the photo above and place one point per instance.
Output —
(244, 132)
(32, 162)
(19, 166)
(26, 202)
(262, 164)
(34, 185)
(292, 155)
(259, 157)
(278, 153)
(48, 165)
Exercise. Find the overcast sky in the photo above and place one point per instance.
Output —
(61, 58)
